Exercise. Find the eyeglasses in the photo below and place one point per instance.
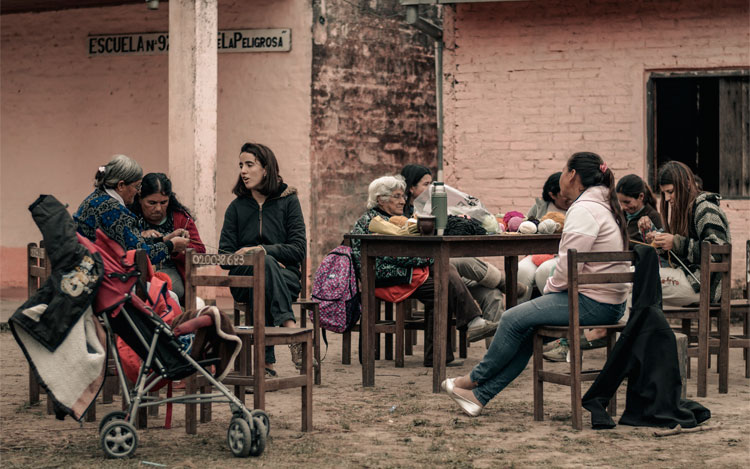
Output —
(397, 197)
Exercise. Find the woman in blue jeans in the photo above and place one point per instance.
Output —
(594, 222)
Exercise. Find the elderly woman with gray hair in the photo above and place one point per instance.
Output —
(105, 209)
(399, 278)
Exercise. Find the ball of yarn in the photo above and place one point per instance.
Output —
(548, 226)
(514, 223)
(527, 227)
(557, 217)
(500, 226)
(509, 215)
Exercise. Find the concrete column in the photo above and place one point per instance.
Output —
(193, 80)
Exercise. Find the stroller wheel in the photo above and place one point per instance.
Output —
(260, 436)
(239, 437)
(263, 417)
(115, 415)
(119, 439)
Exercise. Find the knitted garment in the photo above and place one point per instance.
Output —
(707, 223)
(457, 226)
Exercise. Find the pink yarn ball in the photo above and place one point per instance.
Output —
(514, 223)
(509, 215)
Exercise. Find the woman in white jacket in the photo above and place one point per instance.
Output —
(594, 222)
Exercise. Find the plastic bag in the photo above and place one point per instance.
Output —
(459, 203)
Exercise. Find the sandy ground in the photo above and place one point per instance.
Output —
(397, 423)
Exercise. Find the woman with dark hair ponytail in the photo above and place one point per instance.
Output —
(690, 218)
(637, 201)
(594, 222)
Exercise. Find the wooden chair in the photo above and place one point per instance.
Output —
(251, 372)
(575, 375)
(714, 259)
(402, 327)
(38, 270)
(305, 303)
(741, 307)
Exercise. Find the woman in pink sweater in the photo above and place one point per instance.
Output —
(594, 222)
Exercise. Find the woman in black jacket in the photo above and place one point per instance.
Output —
(267, 214)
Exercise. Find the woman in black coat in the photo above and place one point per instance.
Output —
(267, 214)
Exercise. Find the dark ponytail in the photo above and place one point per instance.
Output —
(593, 171)
(632, 186)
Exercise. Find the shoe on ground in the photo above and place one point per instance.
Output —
(480, 330)
(549, 346)
(470, 408)
(559, 353)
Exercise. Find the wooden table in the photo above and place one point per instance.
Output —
(441, 249)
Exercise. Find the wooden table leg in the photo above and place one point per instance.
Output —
(440, 317)
(367, 325)
(511, 279)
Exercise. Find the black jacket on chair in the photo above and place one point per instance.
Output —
(645, 353)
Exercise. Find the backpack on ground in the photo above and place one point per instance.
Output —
(336, 288)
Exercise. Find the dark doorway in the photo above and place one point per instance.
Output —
(703, 122)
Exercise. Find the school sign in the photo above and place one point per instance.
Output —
(235, 40)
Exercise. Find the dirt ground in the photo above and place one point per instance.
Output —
(397, 423)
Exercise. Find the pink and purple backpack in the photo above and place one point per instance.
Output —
(335, 286)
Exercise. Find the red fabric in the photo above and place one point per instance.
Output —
(182, 221)
(165, 278)
(398, 293)
(539, 259)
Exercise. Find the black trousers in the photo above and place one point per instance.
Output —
(282, 288)
(460, 304)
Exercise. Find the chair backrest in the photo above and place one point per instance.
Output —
(716, 258)
(576, 278)
(38, 267)
(256, 281)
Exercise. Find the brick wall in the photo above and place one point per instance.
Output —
(373, 108)
(529, 83)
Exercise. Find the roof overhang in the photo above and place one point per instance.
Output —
(35, 6)
(446, 2)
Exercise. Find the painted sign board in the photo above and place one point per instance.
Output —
(234, 40)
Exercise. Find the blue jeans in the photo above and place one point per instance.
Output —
(511, 347)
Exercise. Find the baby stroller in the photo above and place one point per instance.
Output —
(66, 346)
(141, 326)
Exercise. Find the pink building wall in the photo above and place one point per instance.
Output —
(529, 83)
(62, 114)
